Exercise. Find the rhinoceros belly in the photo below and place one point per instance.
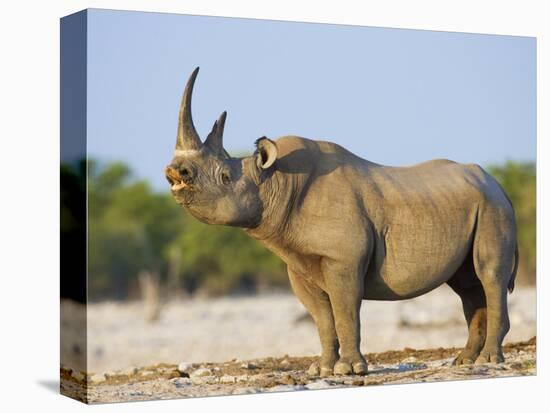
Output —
(416, 254)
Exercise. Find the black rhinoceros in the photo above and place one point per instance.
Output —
(349, 229)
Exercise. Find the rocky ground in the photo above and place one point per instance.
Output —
(167, 381)
(199, 335)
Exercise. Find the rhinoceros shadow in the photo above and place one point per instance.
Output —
(305, 161)
(302, 160)
(400, 368)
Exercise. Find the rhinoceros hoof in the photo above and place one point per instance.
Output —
(326, 372)
(460, 361)
(490, 357)
(343, 368)
(465, 357)
(360, 368)
(316, 371)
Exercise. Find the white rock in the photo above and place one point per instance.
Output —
(77, 375)
(286, 387)
(285, 363)
(98, 378)
(204, 380)
(409, 360)
(130, 371)
(249, 366)
(183, 367)
(181, 381)
(197, 381)
(202, 372)
(228, 379)
(317, 385)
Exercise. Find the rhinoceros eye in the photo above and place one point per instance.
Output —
(225, 178)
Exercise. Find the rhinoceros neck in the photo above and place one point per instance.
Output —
(277, 193)
(300, 163)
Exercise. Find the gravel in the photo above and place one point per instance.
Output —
(385, 368)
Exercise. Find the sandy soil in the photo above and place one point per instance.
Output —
(217, 330)
(166, 381)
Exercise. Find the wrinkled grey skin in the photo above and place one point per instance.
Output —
(349, 229)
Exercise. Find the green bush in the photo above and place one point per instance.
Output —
(217, 260)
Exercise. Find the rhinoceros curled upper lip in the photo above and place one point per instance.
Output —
(179, 185)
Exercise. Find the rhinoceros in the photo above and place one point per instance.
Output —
(352, 230)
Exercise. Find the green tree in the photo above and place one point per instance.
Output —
(129, 227)
(217, 260)
(132, 229)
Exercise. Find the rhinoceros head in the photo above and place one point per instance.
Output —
(214, 187)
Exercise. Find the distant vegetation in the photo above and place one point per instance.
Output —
(519, 181)
(134, 230)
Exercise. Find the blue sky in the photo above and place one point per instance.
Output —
(392, 96)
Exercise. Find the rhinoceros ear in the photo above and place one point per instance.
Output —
(266, 153)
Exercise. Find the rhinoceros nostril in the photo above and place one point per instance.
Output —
(172, 174)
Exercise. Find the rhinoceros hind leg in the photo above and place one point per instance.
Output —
(494, 262)
(498, 324)
(466, 284)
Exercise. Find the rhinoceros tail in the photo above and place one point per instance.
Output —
(516, 252)
(514, 271)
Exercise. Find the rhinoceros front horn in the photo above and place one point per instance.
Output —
(188, 138)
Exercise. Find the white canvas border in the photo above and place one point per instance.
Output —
(29, 218)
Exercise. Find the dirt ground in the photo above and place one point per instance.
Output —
(168, 381)
(265, 343)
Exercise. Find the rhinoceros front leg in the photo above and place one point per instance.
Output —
(317, 302)
(344, 285)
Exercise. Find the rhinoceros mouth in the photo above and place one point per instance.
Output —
(179, 185)
(174, 179)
